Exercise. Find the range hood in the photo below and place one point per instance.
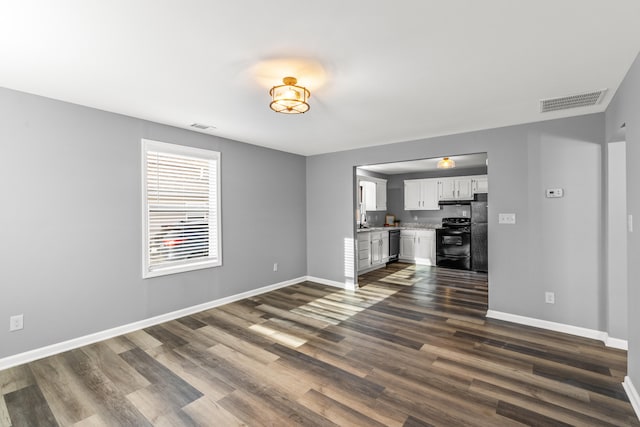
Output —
(454, 202)
(479, 197)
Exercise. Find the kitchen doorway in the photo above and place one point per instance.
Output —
(399, 208)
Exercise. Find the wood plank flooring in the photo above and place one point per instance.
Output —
(412, 347)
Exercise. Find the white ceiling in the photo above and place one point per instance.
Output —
(378, 71)
(464, 161)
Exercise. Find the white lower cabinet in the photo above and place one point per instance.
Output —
(418, 246)
(407, 245)
(373, 249)
(364, 250)
(425, 247)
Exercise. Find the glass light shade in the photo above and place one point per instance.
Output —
(446, 163)
(289, 98)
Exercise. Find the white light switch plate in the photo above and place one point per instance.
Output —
(630, 223)
(506, 218)
(554, 193)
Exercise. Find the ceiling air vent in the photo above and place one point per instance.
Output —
(573, 101)
(201, 126)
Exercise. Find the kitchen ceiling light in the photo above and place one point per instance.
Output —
(446, 163)
(289, 98)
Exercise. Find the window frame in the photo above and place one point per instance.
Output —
(197, 264)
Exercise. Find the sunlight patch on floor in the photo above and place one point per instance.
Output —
(281, 337)
(332, 308)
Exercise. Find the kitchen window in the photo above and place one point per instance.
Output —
(181, 208)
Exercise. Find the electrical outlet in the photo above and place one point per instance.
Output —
(275, 266)
(550, 297)
(16, 322)
(464, 213)
(506, 218)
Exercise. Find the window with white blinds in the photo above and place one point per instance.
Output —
(181, 198)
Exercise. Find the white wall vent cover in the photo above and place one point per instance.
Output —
(201, 126)
(573, 101)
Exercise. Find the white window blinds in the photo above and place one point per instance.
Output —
(181, 194)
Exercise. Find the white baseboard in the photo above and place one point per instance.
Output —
(347, 285)
(71, 344)
(560, 327)
(633, 395)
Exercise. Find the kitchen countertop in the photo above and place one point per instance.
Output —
(411, 227)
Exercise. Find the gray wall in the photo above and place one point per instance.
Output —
(624, 109)
(556, 244)
(71, 221)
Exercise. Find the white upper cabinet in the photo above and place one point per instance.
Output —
(479, 184)
(458, 188)
(412, 194)
(369, 195)
(373, 193)
(421, 194)
(464, 188)
(446, 189)
(424, 194)
(381, 195)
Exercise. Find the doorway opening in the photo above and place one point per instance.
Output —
(401, 208)
(618, 225)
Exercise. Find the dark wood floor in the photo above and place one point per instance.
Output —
(411, 347)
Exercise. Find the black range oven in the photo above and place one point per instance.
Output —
(453, 243)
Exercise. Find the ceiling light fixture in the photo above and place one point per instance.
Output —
(289, 98)
(446, 163)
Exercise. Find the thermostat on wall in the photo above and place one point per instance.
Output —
(554, 192)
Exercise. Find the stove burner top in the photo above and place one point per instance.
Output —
(456, 222)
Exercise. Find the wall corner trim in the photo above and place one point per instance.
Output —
(633, 395)
(616, 343)
(50, 350)
(560, 327)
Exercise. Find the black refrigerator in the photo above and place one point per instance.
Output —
(479, 252)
